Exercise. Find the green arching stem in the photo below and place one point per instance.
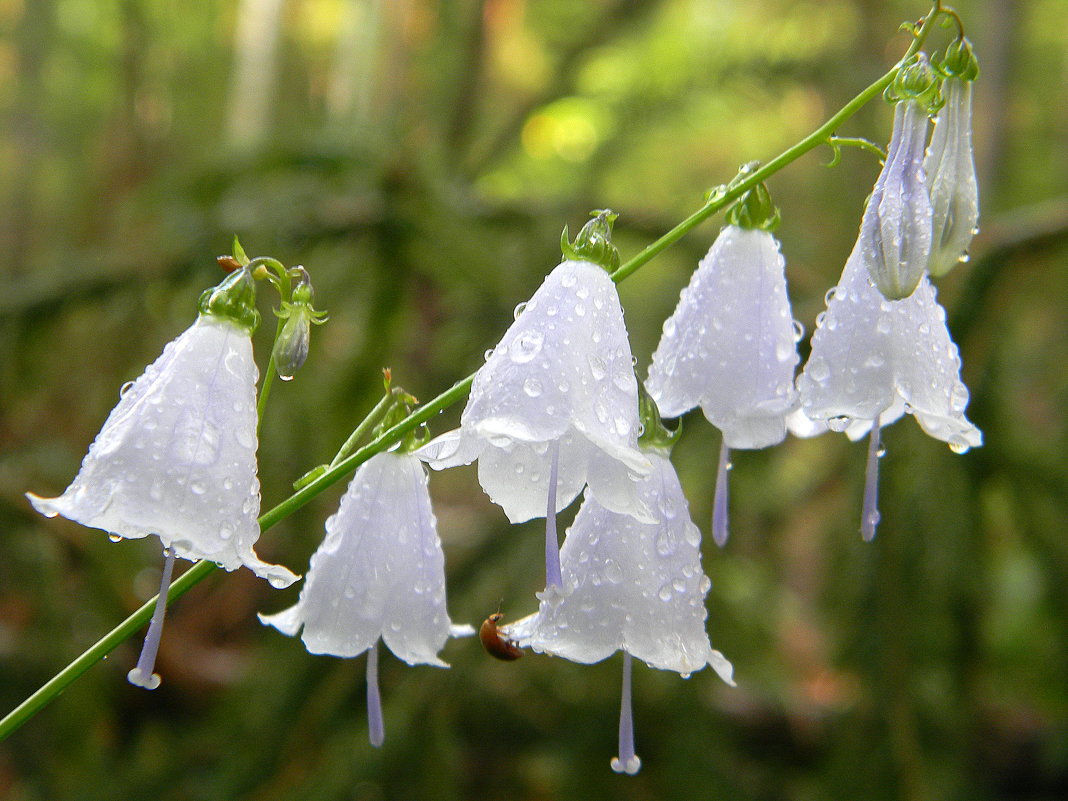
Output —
(38, 700)
(369, 422)
(268, 380)
(746, 179)
(282, 283)
(836, 142)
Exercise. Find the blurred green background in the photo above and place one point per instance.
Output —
(420, 158)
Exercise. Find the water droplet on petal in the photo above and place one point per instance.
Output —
(830, 295)
(532, 387)
(488, 354)
(958, 444)
(839, 423)
(525, 346)
(114, 537)
(665, 593)
(799, 331)
(125, 388)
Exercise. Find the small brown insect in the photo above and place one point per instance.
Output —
(228, 263)
(497, 644)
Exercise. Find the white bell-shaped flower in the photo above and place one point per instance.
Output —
(379, 573)
(731, 345)
(563, 374)
(950, 169)
(631, 586)
(176, 457)
(874, 359)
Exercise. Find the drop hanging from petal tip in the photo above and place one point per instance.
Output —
(869, 517)
(627, 762)
(143, 675)
(721, 502)
(553, 578)
(376, 730)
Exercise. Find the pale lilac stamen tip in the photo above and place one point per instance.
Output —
(627, 762)
(720, 517)
(376, 730)
(869, 517)
(553, 577)
(142, 675)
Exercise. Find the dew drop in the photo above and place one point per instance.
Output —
(568, 279)
(799, 331)
(883, 326)
(597, 366)
(519, 309)
(285, 377)
(958, 444)
(580, 310)
(532, 387)
(665, 593)
(958, 398)
(704, 585)
(114, 537)
(125, 388)
(820, 318)
(198, 487)
(669, 327)
(964, 257)
(488, 354)
(827, 298)
(839, 423)
(818, 370)
(525, 346)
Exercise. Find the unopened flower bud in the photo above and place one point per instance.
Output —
(950, 166)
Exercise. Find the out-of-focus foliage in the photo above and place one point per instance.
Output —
(420, 158)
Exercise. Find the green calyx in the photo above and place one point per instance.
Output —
(234, 299)
(402, 406)
(654, 433)
(959, 61)
(754, 209)
(916, 81)
(594, 241)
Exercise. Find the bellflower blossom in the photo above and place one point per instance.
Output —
(379, 574)
(731, 344)
(950, 165)
(633, 586)
(895, 231)
(875, 359)
(555, 406)
(176, 457)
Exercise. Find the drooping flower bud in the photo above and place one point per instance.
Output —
(291, 346)
(950, 164)
(895, 232)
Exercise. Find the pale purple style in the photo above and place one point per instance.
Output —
(895, 232)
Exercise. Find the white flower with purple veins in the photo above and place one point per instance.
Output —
(731, 348)
(555, 407)
(874, 359)
(379, 574)
(950, 165)
(632, 586)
